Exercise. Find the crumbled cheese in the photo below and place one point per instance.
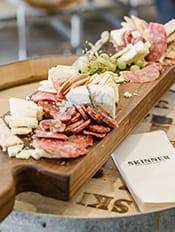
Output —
(127, 94)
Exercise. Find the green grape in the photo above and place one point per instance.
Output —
(139, 63)
(134, 67)
(105, 56)
(112, 67)
(103, 61)
(84, 67)
(121, 65)
(94, 66)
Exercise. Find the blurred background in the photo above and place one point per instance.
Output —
(33, 28)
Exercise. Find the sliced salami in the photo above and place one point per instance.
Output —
(75, 118)
(107, 119)
(95, 134)
(94, 115)
(158, 38)
(72, 148)
(50, 135)
(64, 116)
(44, 96)
(99, 128)
(70, 127)
(84, 140)
(52, 125)
(49, 109)
(149, 73)
(79, 128)
(81, 110)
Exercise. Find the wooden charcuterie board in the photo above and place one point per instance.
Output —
(62, 179)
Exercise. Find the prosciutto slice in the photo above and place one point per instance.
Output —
(157, 36)
(149, 73)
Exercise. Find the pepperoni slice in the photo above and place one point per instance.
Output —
(158, 38)
(70, 127)
(79, 128)
(107, 119)
(75, 118)
(149, 73)
(93, 114)
(97, 135)
(52, 125)
(81, 110)
(99, 128)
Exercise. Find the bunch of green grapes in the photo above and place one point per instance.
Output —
(101, 63)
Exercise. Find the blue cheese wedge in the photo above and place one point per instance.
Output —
(103, 96)
(78, 95)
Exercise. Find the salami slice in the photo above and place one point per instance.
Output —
(107, 119)
(81, 110)
(75, 118)
(44, 96)
(49, 109)
(158, 38)
(72, 148)
(79, 128)
(52, 125)
(50, 135)
(93, 114)
(95, 134)
(149, 73)
(70, 127)
(99, 128)
(64, 116)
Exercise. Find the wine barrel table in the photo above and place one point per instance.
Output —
(103, 202)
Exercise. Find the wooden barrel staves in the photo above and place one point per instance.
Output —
(102, 202)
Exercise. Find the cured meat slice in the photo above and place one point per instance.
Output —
(51, 135)
(149, 73)
(49, 109)
(93, 114)
(44, 96)
(72, 148)
(52, 125)
(72, 110)
(79, 128)
(84, 140)
(75, 118)
(63, 116)
(107, 119)
(71, 126)
(99, 128)
(96, 134)
(81, 110)
(158, 38)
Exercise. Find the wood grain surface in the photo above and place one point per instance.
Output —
(58, 179)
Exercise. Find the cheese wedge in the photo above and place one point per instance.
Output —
(103, 96)
(78, 95)
(7, 138)
(61, 72)
(23, 108)
(14, 150)
(14, 121)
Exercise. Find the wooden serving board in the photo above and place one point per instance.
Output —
(62, 179)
